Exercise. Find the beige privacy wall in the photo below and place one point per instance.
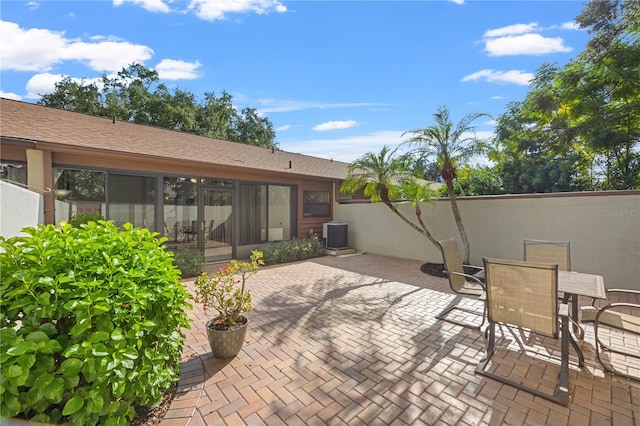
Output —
(603, 228)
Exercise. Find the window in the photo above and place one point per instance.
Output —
(180, 208)
(265, 213)
(78, 191)
(316, 203)
(253, 212)
(14, 171)
(132, 200)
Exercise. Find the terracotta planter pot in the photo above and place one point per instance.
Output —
(227, 343)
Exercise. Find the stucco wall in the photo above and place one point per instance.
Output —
(604, 230)
(20, 208)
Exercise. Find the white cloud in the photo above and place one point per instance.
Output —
(107, 55)
(511, 30)
(211, 10)
(521, 39)
(171, 69)
(28, 50)
(526, 44)
(40, 49)
(149, 5)
(283, 105)
(41, 84)
(457, 1)
(33, 5)
(492, 76)
(10, 95)
(335, 125)
(345, 149)
(283, 128)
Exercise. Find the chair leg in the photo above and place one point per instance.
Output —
(561, 396)
(443, 316)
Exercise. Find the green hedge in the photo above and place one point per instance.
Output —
(189, 262)
(91, 321)
(292, 250)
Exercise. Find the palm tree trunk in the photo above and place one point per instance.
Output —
(458, 218)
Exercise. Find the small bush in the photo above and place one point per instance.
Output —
(292, 250)
(82, 218)
(91, 321)
(189, 262)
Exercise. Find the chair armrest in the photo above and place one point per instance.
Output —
(479, 268)
(617, 291)
(609, 316)
(474, 278)
(623, 290)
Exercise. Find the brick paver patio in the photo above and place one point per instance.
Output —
(354, 341)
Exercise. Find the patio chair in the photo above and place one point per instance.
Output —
(171, 232)
(461, 282)
(616, 325)
(524, 295)
(543, 251)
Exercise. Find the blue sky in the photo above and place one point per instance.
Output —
(336, 78)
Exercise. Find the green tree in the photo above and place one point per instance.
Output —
(476, 180)
(451, 146)
(579, 126)
(603, 89)
(136, 94)
(73, 96)
(539, 152)
(384, 177)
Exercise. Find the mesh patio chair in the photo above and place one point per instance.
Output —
(543, 251)
(616, 326)
(461, 282)
(524, 295)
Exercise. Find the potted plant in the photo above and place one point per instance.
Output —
(225, 292)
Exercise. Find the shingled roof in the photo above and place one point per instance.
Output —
(46, 125)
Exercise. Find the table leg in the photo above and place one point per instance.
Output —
(577, 329)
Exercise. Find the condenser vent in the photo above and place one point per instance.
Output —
(335, 234)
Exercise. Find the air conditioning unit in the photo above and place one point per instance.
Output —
(335, 235)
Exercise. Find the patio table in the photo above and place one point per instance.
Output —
(576, 284)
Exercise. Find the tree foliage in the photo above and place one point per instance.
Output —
(579, 126)
(386, 177)
(91, 323)
(451, 145)
(135, 94)
(476, 180)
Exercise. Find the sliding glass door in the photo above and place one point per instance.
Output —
(217, 224)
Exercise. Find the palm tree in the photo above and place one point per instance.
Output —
(451, 147)
(385, 177)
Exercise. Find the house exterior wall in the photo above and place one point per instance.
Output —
(93, 159)
(181, 168)
(603, 228)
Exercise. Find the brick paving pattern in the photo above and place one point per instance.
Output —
(354, 341)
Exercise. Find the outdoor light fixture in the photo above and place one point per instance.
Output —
(61, 193)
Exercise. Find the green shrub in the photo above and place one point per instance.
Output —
(292, 250)
(189, 262)
(91, 321)
(85, 218)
